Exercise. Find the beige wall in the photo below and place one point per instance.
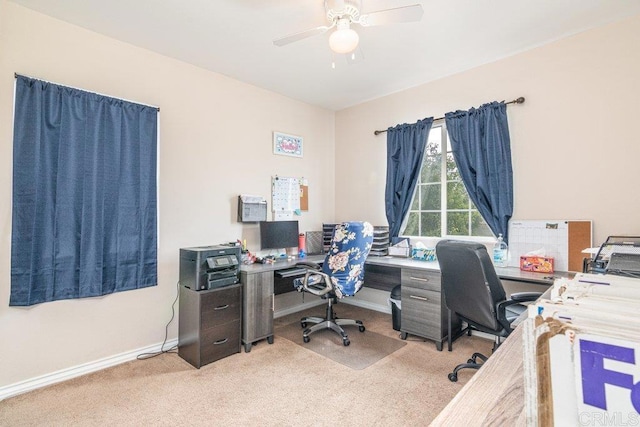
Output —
(575, 155)
(215, 143)
(575, 142)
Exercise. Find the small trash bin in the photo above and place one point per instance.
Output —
(396, 307)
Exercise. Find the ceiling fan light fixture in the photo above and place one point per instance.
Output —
(343, 40)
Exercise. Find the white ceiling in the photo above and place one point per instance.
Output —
(234, 38)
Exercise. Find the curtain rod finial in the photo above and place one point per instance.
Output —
(520, 100)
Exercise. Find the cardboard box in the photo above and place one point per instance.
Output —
(537, 264)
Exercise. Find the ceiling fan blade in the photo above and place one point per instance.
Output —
(392, 16)
(301, 35)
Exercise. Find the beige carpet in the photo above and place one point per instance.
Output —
(366, 347)
(281, 384)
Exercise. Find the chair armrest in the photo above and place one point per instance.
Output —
(309, 265)
(525, 296)
(501, 309)
(316, 288)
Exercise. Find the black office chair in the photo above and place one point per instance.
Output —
(473, 291)
(341, 275)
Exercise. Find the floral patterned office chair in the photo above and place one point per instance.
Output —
(341, 275)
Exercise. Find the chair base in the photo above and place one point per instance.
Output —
(472, 363)
(329, 322)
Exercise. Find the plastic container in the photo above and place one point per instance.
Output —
(500, 253)
(302, 245)
(396, 308)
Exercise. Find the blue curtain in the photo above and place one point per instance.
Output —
(84, 194)
(405, 151)
(482, 151)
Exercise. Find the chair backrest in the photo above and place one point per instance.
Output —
(470, 284)
(344, 263)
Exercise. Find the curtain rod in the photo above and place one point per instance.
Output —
(515, 101)
(15, 76)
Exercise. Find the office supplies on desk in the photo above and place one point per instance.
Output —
(401, 248)
(380, 245)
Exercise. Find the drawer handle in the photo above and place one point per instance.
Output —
(419, 279)
(420, 298)
(221, 341)
(222, 307)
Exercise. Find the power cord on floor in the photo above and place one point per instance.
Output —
(173, 349)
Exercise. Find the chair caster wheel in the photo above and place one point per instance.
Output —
(303, 324)
(306, 339)
(346, 342)
(361, 328)
(453, 377)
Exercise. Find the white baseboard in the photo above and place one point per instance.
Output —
(107, 362)
(76, 371)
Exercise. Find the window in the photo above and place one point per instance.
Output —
(441, 206)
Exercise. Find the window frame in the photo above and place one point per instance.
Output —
(445, 150)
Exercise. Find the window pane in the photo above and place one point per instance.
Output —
(457, 197)
(430, 222)
(412, 224)
(479, 226)
(452, 169)
(432, 163)
(431, 167)
(430, 197)
(414, 204)
(458, 223)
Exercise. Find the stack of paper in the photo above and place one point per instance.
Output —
(582, 353)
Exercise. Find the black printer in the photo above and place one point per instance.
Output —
(209, 267)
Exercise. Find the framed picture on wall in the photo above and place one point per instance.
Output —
(287, 145)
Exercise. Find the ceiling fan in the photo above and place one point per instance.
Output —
(341, 14)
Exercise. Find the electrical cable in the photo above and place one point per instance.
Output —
(144, 356)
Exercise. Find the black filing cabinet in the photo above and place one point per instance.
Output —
(209, 324)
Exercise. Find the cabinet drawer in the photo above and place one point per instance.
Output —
(421, 312)
(418, 278)
(220, 342)
(220, 307)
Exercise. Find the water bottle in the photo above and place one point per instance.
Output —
(500, 251)
(302, 246)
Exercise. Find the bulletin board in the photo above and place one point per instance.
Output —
(289, 196)
(563, 240)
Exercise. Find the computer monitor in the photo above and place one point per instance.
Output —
(278, 234)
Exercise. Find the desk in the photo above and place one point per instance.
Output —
(258, 299)
(421, 280)
(495, 394)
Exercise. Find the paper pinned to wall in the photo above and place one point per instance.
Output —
(285, 193)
